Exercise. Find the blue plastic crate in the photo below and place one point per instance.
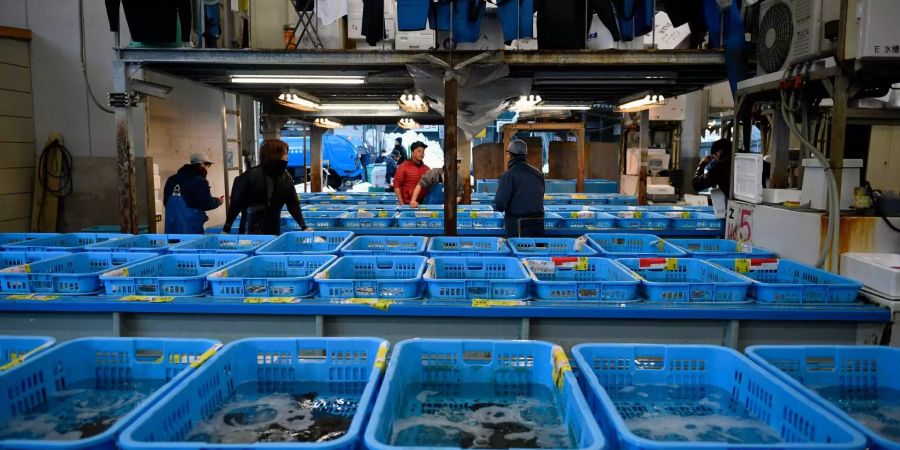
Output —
(483, 277)
(181, 274)
(12, 238)
(307, 242)
(15, 350)
(75, 274)
(375, 218)
(72, 242)
(588, 199)
(142, 229)
(581, 279)
(551, 220)
(850, 374)
(385, 245)
(523, 247)
(269, 276)
(467, 246)
(612, 371)
(720, 249)
(214, 229)
(388, 277)
(468, 220)
(322, 208)
(104, 364)
(507, 368)
(785, 281)
(486, 186)
(586, 220)
(624, 245)
(316, 219)
(686, 280)
(420, 219)
(691, 220)
(224, 243)
(618, 199)
(351, 368)
(15, 258)
(557, 199)
(639, 219)
(147, 243)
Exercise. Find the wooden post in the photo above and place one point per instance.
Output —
(152, 213)
(451, 89)
(582, 147)
(128, 214)
(508, 132)
(315, 150)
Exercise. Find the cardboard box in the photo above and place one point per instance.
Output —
(629, 184)
(414, 40)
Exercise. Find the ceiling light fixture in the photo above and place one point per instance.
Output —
(412, 102)
(298, 79)
(360, 107)
(641, 103)
(408, 123)
(525, 103)
(562, 107)
(298, 100)
(322, 122)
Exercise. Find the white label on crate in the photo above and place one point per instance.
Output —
(745, 247)
(541, 266)
(364, 214)
(579, 243)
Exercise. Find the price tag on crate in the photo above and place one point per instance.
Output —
(768, 264)
(382, 214)
(147, 298)
(271, 300)
(580, 243)
(671, 264)
(435, 214)
(581, 264)
(24, 268)
(560, 366)
(541, 266)
(36, 297)
(658, 263)
(381, 356)
(483, 303)
(660, 245)
(379, 304)
(744, 247)
(742, 265)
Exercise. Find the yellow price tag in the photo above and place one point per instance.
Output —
(579, 197)
(573, 215)
(37, 297)
(661, 245)
(27, 268)
(379, 304)
(382, 214)
(560, 366)
(473, 214)
(685, 214)
(205, 356)
(582, 264)
(671, 264)
(146, 298)
(742, 265)
(270, 300)
(638, 214)
(434, 214)
(483, 303)
(381, 356)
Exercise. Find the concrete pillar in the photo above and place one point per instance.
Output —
(696, 115)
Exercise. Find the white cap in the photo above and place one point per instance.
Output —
(200, 158)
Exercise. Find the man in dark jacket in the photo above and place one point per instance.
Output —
(187, 197)
(520, 195)
(715, 169)
(260, 193)
(391, 169)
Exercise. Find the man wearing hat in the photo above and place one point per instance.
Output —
(409, 173)
(432, 183)
(187, 197)
(520, 194)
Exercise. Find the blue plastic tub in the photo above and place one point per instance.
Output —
(385, 245)
(523, 247)
(692, 220)
(619, 199)
(586, 220)
(389, 277)
(72, 242)
(785, 281)
(551, 220)
(270, 276)
(375, 218)
(224, 243)
(581, 279)
(624, 245)
(176, 274)
(483, 277)
(307, 242)
(687, 280)
(638, 219)
(503, 369)
(486, 186)
(103, 364)
(12, 238)
(613, 373)
(16, 258)
(147, 243)
(349, 368)
(317, 219)
(467, 246)
(851, 375)
(323, 208)
(15, 350)
(75, 274)
(467, 220)
(720, 249)
(435, 219)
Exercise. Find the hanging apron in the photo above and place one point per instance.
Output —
(181, 218)
(435, 195)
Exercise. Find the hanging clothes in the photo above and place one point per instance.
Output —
(467, 20)
(439, 14)
(156, 23)
(516, 19)
(625, 14)
(329, 11)
(373, 21)
(564, 24)
(643, 17)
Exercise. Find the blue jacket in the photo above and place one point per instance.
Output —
(520, 191)
(194, 189)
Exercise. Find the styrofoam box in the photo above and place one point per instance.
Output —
(781, 195)
(414, 40)
(660, 189)
(815, 189)
(748, 168)
(878, 271)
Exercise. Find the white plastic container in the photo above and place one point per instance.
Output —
(779, 196)
(748, 169)
(878, 271)
(815, 188)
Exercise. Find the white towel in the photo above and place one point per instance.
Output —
(329, 11)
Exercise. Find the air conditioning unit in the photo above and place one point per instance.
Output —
(792, 31)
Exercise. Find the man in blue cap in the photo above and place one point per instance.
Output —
(520, 194)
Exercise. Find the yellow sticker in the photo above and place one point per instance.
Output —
(638, 214)
(27, 268)
(582, 264)
(573, 215)
(686, 215)
(434, 214)
(473, 214)
(560, 366)
(382, 214)
(124, 271)
(147, 298)
(270, 299)
(579, 197)
(205, 356)
(742, 265)
(381, 356)
(37, 297)
(484, 303)
(378, 304)
(671, 264)
(661, 245)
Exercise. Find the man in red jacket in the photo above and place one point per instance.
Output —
(409, 173)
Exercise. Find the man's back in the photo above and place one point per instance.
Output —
(520, 191)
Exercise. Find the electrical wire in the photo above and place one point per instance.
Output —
(54, 169)
(84, 73)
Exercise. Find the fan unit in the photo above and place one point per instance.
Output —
(791, 31)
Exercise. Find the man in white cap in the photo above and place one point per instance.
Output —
(520, 194)
(187, 197)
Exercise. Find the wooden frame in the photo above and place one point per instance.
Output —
(510, 130)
